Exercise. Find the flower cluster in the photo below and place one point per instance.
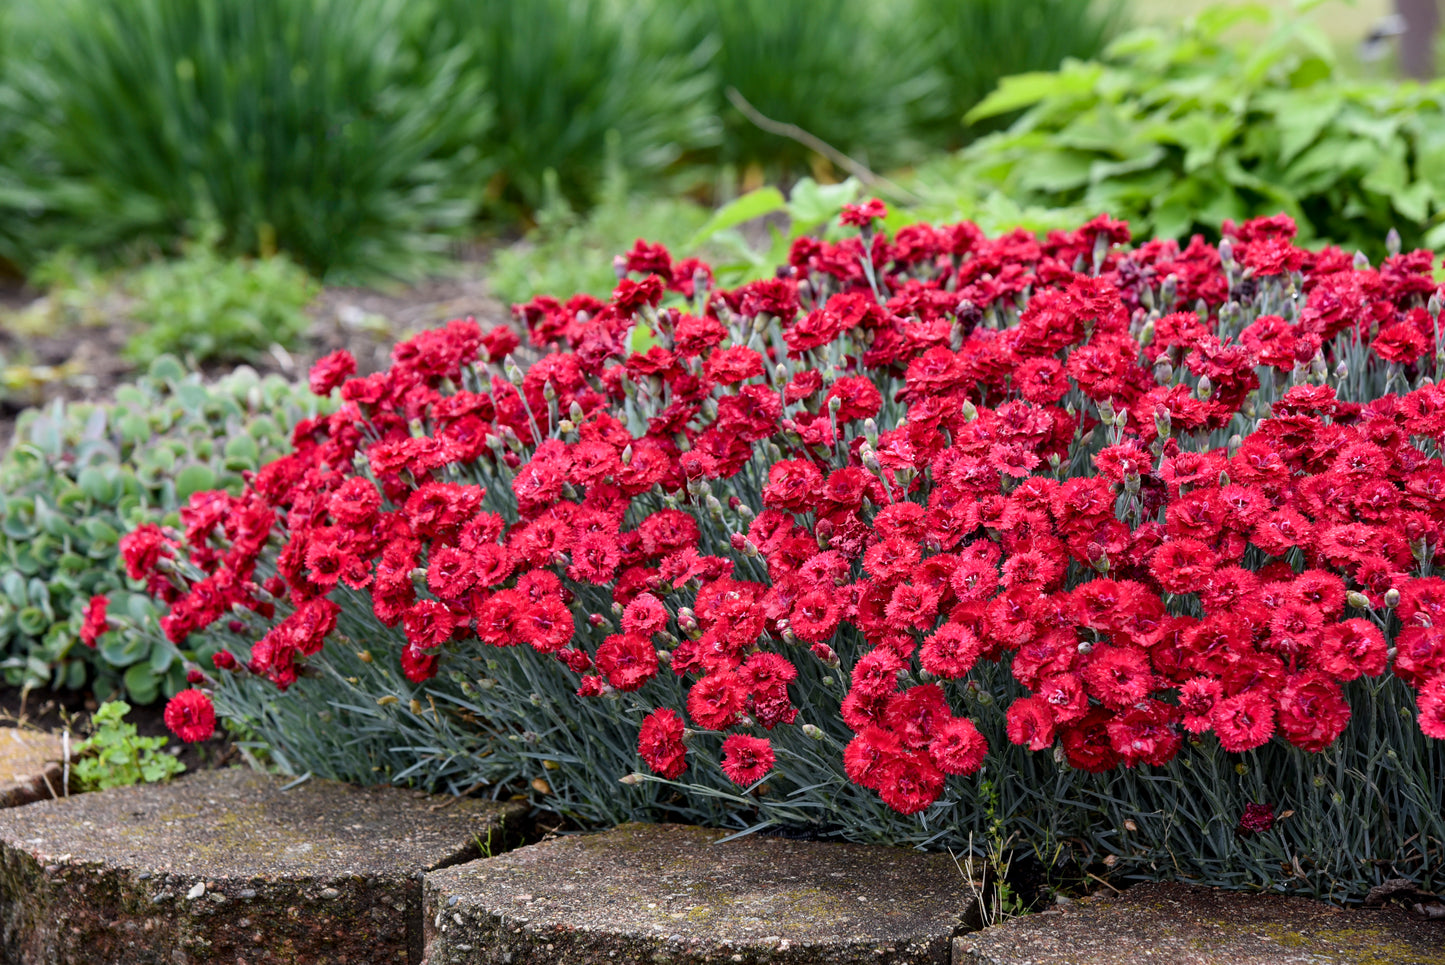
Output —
(1178, 491)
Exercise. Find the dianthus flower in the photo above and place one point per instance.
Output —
(746, 760)
(1243, 721)
(660, 743)
(627, 660)
(191, 716)
(95, 622)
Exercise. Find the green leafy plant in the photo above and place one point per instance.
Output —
(77, 476)
(340, 131)
(114, 755)
(569, 72)
(206, 307)
(975, 43)
(1178, 130)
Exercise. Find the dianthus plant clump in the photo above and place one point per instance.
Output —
(920, 516)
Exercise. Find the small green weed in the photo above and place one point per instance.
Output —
(116, 756)
(205, 306)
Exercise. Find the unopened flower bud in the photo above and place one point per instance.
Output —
(1435, 304)
(1085, 647)
(970, 411)
(1392, 242)
(1361, 263)
(1206, 388)
(1226, 251)
(1392, 598)
(814, 731)
(1163, 369)
(1357, 600)
(1106, 411)
(549, 392)
(634, 778)
(1163, 424)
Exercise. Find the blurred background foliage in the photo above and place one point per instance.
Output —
(360, 137)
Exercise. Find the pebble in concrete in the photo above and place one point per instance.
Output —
(673, 894)
(227, 867)
(1182, 924)
(29, 766)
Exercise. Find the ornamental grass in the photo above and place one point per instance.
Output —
(1119, 555)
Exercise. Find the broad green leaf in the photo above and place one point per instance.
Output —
(1054, 171)
(194, 479)
(1024, 90)
(1299, 118)
(142, 685)
(752, 205)
(810, 203)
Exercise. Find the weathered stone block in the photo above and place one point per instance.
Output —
(670, 893)
(30, 767)
(226, 867)
(1189, 925)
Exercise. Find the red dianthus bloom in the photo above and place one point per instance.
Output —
(746, 760)
(191, 716)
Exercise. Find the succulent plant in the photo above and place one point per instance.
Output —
(78, 476)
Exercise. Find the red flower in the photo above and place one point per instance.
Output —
(1432, 707)
(628, 661)
(910, 783)
(1031, 723)
(660, 743)
(715, 701)
(862, 215)
(746, 760)
(957, 747)
(190, 716)
(428, 623)
(224, 660)
(95, 622)
(1244, 721)
(331, 370)
(418, 665)
(1256, 819)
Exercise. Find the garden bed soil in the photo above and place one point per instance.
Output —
(53, 712)
(82, 361)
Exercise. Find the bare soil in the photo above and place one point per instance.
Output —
(82, 360)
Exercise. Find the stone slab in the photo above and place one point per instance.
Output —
(30, 767)
(227, 867)
(1183, 924)
(672, 893)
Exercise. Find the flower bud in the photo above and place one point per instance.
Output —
(970, 411)
(1206, 388)
(1226, 251)
(1357, 600)
(1392, 598)
(1392, 242)
(634, 778)
(813, 731)
(1163, 369)
(1361, 263)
